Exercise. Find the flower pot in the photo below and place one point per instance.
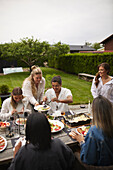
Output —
(4, 96)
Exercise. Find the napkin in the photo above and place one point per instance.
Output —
(23, 141)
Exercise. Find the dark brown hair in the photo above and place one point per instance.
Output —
(57, 79)
(106, 67)
(38, 131)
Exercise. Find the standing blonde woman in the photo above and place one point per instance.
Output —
(17, 103)
(103, 83)
(34, 86)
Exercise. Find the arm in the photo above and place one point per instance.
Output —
(93, 89)
(69, 99)
(27, 91)
(5, 112)
(89, 151)
(43, 88)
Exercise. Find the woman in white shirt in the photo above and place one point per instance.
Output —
(17, 103)
(103, 84)
(34, 85)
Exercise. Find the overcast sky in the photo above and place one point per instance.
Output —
(72, 22)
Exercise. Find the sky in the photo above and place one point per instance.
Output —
(72, 22)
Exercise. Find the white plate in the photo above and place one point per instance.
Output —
(56, 124)
(41, 108)
(21, 119)
(83, 128)
(2, 140)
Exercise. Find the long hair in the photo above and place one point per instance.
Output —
(35, 71)
(57, 79)
(103, 115)
(38, 131)
(16, 91)
(106, 67)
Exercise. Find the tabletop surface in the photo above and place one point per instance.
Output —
(7, 155)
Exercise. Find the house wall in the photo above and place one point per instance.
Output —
(109, 44)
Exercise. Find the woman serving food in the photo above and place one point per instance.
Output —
(34, 85)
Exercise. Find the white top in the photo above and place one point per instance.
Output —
(7, 108)
(105, 90)
(27, 91)
(64, 93)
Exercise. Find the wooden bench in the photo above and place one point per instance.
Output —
(87, 77)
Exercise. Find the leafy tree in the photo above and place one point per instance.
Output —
(29, 50)
(96, 46)
(58, 49)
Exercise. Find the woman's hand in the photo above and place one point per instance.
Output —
(36, 104)
(14, 111)
(76, 136)
(17, 147)
(44, 99)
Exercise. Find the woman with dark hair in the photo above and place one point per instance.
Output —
(103, 83)
(97, 148)
(17, 103)
(34, 85)
(59, 96)
(40, 151)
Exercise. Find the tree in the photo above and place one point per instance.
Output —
(96, 46)
(29, 50)
(58, 49)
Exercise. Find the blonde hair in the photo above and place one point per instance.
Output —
(35, 71)
(103, 115)
(16, 91)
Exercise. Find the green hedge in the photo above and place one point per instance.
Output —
(81, 62)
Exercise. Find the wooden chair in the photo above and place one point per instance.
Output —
(79, 165)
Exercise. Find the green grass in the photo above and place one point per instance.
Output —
(79, 88)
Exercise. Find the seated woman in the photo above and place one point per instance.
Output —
(34, 85)
(40, 151)
(17, 103)
(97, 148)
(59, 96)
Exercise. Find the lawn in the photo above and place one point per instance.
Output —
(79, 88)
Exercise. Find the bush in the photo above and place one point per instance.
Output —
(81, 62)
(4, 89)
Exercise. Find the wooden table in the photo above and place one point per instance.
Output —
(7, 155)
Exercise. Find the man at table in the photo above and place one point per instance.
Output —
(58, 96)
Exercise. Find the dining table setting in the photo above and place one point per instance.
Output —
(13, 130)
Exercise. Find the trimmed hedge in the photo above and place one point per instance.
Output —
(81, 62)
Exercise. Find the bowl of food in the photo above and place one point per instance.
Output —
(56, 125)
(4, 125)
(82, 130)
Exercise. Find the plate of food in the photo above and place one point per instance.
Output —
(3, 143)
(4, 125)
(21, 121)
(82, 130)
(56, 125)
(42, 108)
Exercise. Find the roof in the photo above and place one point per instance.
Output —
(108, 38)
(80, 48)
